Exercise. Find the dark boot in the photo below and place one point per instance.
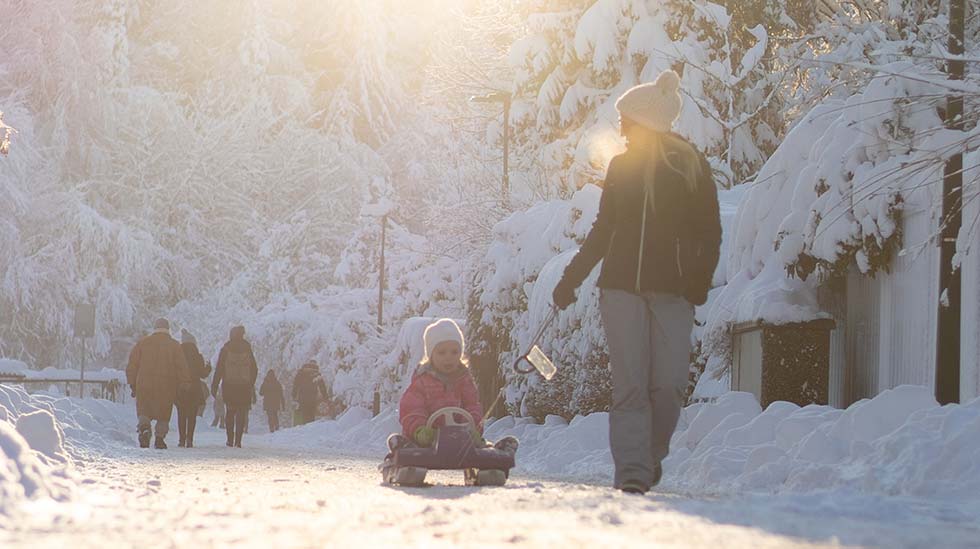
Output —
(160, 444)
(144, 438)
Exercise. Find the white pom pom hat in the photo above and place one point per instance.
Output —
(442, 330)
(654, 106)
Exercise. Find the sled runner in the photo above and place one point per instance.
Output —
(454, 448)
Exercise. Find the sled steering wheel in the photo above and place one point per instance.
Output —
(450, 413)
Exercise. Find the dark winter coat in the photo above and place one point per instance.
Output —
(431, 390)
(194, 396)
(272, 397)
(156, 369)
(308, 386)
(236, 373)
(681, 239)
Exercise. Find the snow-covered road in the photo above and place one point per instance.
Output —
(270, 496)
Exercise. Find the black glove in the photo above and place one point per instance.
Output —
(132, 391)
(564, 295)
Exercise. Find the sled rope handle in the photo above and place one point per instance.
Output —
(534, 341)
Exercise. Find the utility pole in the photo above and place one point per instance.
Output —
(948, 330)
(381, 273)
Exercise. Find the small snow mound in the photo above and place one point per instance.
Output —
(41, 432)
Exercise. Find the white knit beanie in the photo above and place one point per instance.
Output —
(444, 329)
(656, 105)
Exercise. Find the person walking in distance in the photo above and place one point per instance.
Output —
(657, 233)
(308, 390)
(272, 399)
(157, 369)
(235, 375)
(191, 399)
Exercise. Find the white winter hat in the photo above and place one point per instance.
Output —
(444, 329)
(655, 105)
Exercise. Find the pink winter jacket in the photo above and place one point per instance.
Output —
(431, 390)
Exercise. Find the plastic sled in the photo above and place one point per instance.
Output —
(453, 449)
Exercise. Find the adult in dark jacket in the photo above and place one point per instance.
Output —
(190, 400)
(235, 374)
(658, 234)
(272, 399)
(308, 390)
(156, 369)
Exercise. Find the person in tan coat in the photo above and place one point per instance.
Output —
(157, 368)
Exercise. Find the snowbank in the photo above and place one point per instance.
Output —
(899, 443)
(16, 368)
(355, 430)
(41, 438)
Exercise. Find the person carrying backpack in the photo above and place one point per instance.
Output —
(235, 375)
(308, 390)
(657, 233)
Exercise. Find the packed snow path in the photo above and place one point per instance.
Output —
(279, 497)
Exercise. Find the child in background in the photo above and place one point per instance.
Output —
(442, 379)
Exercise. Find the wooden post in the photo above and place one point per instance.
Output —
(948, 330)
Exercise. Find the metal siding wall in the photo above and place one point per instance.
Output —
(909, 307)
(832, 301)
(862, 337)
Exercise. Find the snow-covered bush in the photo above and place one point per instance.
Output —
(512, 298)
(579, 57)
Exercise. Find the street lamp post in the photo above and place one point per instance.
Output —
(505, 98)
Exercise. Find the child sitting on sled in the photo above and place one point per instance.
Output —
(442, 379)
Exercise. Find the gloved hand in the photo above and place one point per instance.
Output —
(424, 436)
(564, 295)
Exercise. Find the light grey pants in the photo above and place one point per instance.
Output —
(162, 428)
(649, 340)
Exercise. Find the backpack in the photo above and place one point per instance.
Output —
(308, 391)
(238, 368)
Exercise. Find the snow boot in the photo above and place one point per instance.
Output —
(144, 438)
(181, 444)
(507, 444)
(484, 477)
(405, 476)
(160, 444)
